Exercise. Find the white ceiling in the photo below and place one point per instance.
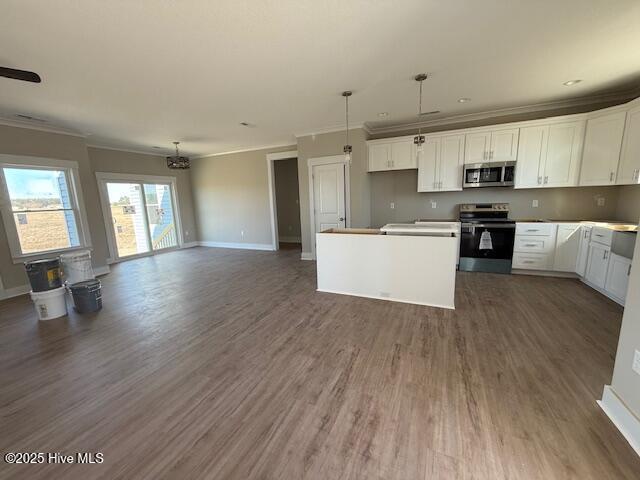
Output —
(134, 74)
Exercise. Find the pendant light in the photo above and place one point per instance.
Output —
(176, 161)
(418, 140)
(347, 148)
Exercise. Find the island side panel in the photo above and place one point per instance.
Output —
(404, 268)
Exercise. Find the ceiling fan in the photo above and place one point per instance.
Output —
(20, 75)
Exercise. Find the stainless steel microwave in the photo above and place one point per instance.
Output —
(492, 174)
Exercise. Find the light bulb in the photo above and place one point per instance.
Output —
(420, 148)
(347, 157)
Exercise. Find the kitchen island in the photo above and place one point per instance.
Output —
(402, 263)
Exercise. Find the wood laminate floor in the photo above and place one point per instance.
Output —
(223, 364)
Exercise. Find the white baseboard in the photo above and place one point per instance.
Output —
(98, 271)
(306, 256)
(544, 273)
(387, 299)
(243, 246)
(190, 244)
(621, 416)
(14, 291)
(24, 289)
(290, 239)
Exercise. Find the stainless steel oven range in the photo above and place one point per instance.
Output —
(486, 238)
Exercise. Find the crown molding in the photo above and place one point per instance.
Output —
(248, 149)
(594, 100)
(127, 150)
(335, 128)
(42, 127)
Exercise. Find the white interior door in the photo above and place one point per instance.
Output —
(329, 196)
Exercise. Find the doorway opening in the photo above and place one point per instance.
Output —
(285, 173)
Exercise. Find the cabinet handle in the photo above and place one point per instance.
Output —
(629, 270)
(530, 245)
(611, 176)
(604, 256)
(546, 180)
(527, 261)
(539, 180)
(532, 230)
(491, 154)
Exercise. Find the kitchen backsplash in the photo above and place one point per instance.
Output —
(575, 203)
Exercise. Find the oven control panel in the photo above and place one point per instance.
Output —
(484, 207)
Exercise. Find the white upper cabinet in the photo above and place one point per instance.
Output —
(428, 166)
(629, 168)
(549, 155)
(440, 164)
(395, 154)
(602, 145)
(493, 146)
(379, 157)
(531, 151)
(451, 162)
(504, 145)
(477, 147)
(403, 155)
(564, 150)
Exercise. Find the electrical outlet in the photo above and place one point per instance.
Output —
(392, 205)
(434, 204)
(600, 201)
(242, 233)
(636, 362)
(534, 203)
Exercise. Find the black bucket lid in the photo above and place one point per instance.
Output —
(87, 284)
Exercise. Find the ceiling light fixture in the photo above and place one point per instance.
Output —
(571, 82)
(347, 148)
(464, 100)
(419, 139)
(176, 161)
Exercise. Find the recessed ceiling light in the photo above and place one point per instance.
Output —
(571, 82)
(383, 114)
(464, 100)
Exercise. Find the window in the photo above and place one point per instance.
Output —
(40, 210)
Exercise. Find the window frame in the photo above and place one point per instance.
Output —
(75, 196)
(103, 178)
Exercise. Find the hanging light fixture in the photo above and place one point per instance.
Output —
(176, 161)
(347, 148)
(418, 140)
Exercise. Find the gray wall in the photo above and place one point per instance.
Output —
(231, 195)
(287, 202)
(28, 142)
(322, 145)
(628, 204)
(400, 187)
(115, 161)
(22, 141)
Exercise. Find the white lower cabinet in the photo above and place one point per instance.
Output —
(534, 246)
(567, 247)
(618, 273)
(597, 264)
(583, 249)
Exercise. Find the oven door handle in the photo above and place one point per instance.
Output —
(489, 225)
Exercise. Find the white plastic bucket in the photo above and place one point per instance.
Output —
(50, 304)
(76, 267)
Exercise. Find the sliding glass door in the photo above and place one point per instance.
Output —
(142, 216)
